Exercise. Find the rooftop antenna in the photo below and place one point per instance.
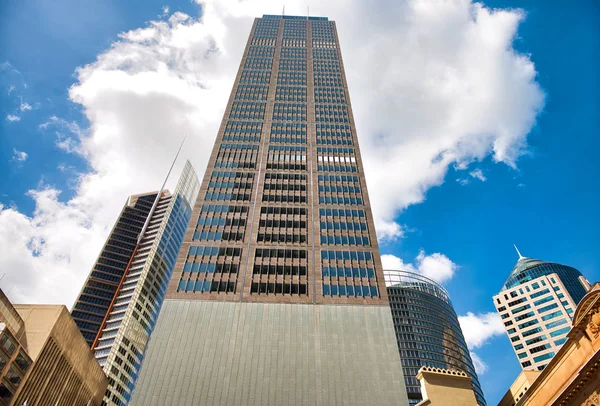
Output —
(520, 256)
(307, 11)
(158, 195)
(283, 12)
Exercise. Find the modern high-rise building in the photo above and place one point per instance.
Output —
(536, 305)
(118, 306)
(427, 331)
(278, 294)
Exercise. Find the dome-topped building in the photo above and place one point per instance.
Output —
(536, 304)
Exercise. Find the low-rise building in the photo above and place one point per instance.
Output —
(445, 387)
(44, 359)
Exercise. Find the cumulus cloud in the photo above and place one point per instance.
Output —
(479, 328)
(433, 84)
(24, 106)
(480, 366)
(478, 174)
(13, 117)
(435, 266)
(19, 156)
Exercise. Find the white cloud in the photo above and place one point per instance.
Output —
(435, 266)
(10, 89)
(24, 106)
(432, 85)
(480, 366)
(165, 10)
(19, 156)
(462, 181)
(479, 328)
(478, 174)
(13, 117)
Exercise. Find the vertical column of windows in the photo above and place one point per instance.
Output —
(344, 273)
(284, 271)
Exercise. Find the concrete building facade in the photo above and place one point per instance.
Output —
(446, 387)
(278, 294)
(119, 303)
(44, 360)
(572, 377)
(427, 332)
(536, 305)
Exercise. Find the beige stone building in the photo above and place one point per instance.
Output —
(443, 387)
(571, 377)
(44, 359)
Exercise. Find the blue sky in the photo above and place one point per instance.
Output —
(544, 197)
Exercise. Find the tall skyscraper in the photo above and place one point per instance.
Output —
(278, 293)
(118, 306)
(427, 331)
(536, 305)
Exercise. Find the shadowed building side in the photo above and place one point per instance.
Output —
(45, 361)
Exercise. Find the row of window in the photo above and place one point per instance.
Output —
(346, 272)
(205, 286)
(197, 267)
(270, 269)
(346, 255)
(217, 236)
(220, 208)
(350, 291)
(344, 240)
(279, 288)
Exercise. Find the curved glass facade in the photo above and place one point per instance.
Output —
(527, 269)
(427, 330)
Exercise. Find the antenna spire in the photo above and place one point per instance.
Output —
(141, 236)
(520, 256)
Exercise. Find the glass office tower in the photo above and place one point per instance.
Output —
(278, 293)
(119, 303)
(427, 330)
(536, 305)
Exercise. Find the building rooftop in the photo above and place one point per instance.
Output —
(284, 17)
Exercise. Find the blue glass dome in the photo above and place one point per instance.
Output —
(527, 269)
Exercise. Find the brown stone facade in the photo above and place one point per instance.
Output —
(290, 89)
(572, 377)
(47, 361)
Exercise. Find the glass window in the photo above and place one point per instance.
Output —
(22, 362)
(13, 376)
(543, 357)
(5, 393)
(3, 362)
(8, 344)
